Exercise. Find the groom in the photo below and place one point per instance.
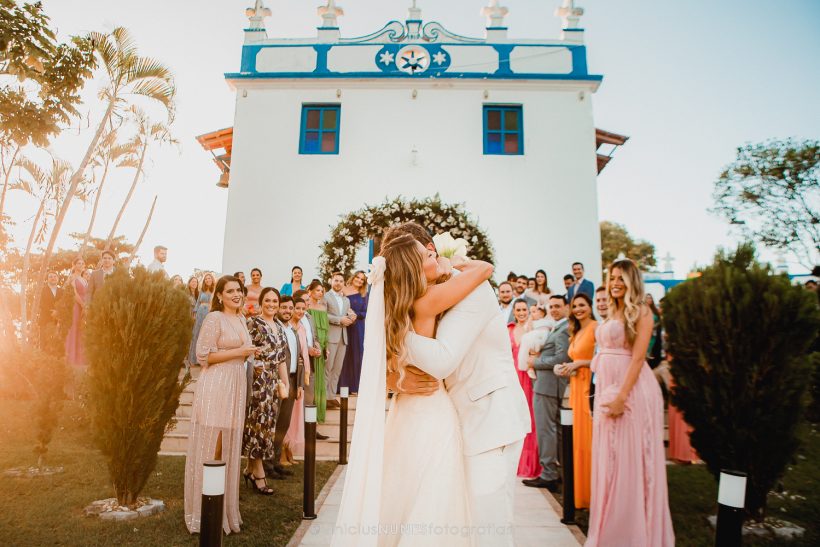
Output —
(473, 341)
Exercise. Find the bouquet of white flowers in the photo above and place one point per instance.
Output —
(448, 247)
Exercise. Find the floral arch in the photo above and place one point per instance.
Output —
(358, 228)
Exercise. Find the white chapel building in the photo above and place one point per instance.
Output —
(503, 126)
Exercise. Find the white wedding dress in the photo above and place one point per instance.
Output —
(405, 483)
(424, 490)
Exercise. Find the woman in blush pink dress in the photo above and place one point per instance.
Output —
(528, 465)
(295, 437)
(630, 504)
(218, 411)
(680, 449)
(74, 346)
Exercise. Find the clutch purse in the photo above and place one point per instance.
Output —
(607, 396)
(281, 389)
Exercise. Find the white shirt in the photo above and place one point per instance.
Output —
(308, 329)
(506, 308)
(53, 290)
(291, 335)
(156, 265)
(339, 300)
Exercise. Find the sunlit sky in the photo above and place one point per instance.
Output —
(687, 81)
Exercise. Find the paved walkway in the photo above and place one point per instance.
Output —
(537, 523)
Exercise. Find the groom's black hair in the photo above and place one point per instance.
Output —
(414, 229)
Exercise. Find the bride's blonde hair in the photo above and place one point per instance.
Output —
(633, 299)
(404, 283)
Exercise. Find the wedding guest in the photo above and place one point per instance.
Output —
(528, 465)
(203, 306)
(505, 299)
(295, 282)
(339, 315)
(511, 277)
(177, 281)
(218, 411)
(568, 281)
(520, 290)
(318, 311)
(240, 276)
(294, 442)
(541, 291)
(653, 352)
(356, 292)
(602, 303)
(538, 329)
(580, 284)
(254, 289)
(548, 392)
(192, 290)
(680, 446)
(160, 256)
(581, 349)
(295, 365)
(629, 504)
(269, 368)
(47, 320)
(74, 343)
(530, 284)
(314, 349)
(98, 276)
(87, 275)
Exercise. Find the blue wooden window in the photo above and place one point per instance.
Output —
(503, 130)
(319, 132)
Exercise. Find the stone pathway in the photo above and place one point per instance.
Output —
(537, 522)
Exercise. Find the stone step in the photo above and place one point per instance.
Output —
(174, 443)
(182, 426)
(184, 410)
(186, 397)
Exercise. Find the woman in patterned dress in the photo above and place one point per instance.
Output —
(269, 368)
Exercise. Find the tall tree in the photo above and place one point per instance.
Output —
(129, 75)
(148, 132)
(772, 193)
(42, 81)
(616, 240)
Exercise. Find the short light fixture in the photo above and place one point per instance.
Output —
(338, 93)
(244, 93)
(486, 94)
(415, 93)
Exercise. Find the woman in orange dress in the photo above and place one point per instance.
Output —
(581, 349)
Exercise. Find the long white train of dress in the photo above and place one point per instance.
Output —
(424, 489)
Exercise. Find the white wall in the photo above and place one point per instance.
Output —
(539, 209)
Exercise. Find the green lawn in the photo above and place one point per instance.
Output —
(48, 511)
(693, 497)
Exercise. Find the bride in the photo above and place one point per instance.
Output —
(405, 484)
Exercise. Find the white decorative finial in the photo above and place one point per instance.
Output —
(414, 12)
(329, 12)
(495, 14)
(667, 262)
(569, 14)
(256, 15)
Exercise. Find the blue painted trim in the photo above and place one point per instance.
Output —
(572, 29)
(496, 28)
(371, 250)
(503, 109)
(401, 75)
(321, 58)
(327, 28)
(322, 108)
(253, 30)
(412, 21)
(504, 69)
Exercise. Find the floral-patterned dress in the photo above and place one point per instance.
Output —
(260, 422)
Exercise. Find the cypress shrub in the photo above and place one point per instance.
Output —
(740, 337)
(137, 333)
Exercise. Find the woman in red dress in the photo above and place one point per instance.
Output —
(528, 465)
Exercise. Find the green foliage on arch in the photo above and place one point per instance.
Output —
(356, 228)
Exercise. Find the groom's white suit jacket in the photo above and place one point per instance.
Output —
(472, 354)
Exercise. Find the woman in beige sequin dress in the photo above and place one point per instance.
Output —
(218, 412)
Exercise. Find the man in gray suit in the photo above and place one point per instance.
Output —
(296, 373)
(98, 276)
(548, 391)
(340, 316)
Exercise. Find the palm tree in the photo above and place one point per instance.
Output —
(129, 76)
(147, 133)
(50, 187)
(109, 152)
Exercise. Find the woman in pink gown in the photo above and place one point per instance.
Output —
(74, 346)
(630, 504)
(295, 437)
(528, 465)
(680, 449)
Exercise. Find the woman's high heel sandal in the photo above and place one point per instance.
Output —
(247, 475)
(263, 490)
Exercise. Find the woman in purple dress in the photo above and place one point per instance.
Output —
(74, 347)
(356, 292)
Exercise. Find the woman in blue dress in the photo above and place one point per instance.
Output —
(295, 282)
(201, 309)
(356, 292)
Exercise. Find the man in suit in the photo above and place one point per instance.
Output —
(580, 285)
(296, 373)
(548, 391)
(471, 353)
(520, 290)
(340, 316)
(98, 276)
(47, 319)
